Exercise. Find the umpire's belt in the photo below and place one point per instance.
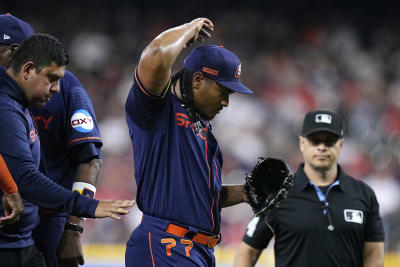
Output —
(154, 224)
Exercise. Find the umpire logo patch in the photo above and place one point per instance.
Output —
(82, 121)
(323, 118)
(354, 216)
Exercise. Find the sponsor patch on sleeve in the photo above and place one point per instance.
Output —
(82, 121)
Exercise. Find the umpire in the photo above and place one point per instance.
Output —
(329, 218)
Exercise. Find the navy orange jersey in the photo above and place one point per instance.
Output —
(178, 173)
(68, 131)
(20, 148)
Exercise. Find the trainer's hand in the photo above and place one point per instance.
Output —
(113, 208)
(202, 28)
(13, 208)
(69, 251)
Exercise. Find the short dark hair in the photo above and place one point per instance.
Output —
(42, 49)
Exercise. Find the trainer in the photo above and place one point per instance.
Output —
(70, 148)
(329, 219)
(31, 79)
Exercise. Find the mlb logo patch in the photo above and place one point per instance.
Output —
(323, 118)
(354, 216)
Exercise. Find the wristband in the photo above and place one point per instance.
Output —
(85, 189)
(73, 227)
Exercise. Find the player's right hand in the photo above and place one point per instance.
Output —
(13, 208)
(113, 208)
(202, 29)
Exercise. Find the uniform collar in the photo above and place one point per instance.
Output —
(302, 181)
(10, 87)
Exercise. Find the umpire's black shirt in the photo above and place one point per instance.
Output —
(300, 225)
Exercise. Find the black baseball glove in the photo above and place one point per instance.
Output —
(269, 182)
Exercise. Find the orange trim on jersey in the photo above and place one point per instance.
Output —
(151, 251)
(146, 92)
(212, 215)
(216, 167)
(210, 71)
(84, 138)
(209, 179)
(7, 183)
(208, 166)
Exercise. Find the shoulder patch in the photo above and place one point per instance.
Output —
(82, 121)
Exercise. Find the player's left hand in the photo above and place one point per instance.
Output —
(69, 250)
(113, 208)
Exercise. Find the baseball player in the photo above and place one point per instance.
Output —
(33, 76)
(177, 159)
(329, 219)
(70, 155)
(13, 207)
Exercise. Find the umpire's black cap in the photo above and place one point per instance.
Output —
(322, 120)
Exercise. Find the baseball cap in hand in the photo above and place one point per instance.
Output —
(219, 64)
(13, 30)
(322, 120)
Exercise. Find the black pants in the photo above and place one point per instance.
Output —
(21, 257)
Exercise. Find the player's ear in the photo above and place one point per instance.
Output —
(198, 78)
(341, 143)
(14, 48)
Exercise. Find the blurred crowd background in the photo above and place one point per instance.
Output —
(343, 56)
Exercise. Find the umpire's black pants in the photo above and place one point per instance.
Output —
(21, 257)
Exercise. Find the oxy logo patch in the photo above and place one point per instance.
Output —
(354, 216)
(82, 121)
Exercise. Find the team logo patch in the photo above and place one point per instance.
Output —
(82, 121)
(238, 71)
(354, 216)
(323, 118)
